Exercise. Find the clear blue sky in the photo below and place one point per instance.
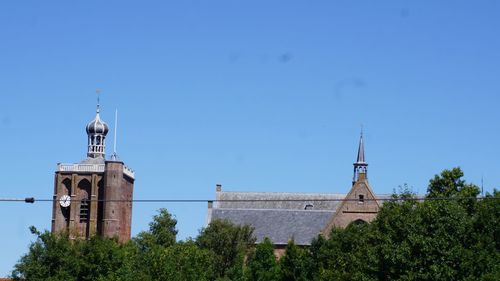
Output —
(255, 95)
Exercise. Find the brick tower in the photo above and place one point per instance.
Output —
(94, 196)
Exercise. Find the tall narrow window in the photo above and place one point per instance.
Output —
(361, 198)
(84, 210)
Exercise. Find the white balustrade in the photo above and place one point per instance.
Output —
(90, 168)
(129, 172)
(80, 167)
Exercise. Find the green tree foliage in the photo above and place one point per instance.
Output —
(485, 236)
(294, 264)
(182, 261)
(345, 255)
(229, 243)
(410, 239)
(100, 258)
(450, 184)
(418, 240)
(262, 265)
(50, 257)
(57, 257)
(162, 231)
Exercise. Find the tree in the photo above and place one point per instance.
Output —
(162, 231)
(294, 264)
(450, 183)
(410, 239)
(345, 255)
(429, 240)
(179, 262)
(230, 245)
(485, 239)
(263, 265)
(100, 258)
(50, 257)
(57, 257)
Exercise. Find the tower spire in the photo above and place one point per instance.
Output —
(361, 149)
(98, 92)
(96, 132)
(360, 166)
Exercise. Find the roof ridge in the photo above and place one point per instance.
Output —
(278, 210)
(278, 192)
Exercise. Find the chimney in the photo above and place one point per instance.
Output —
(218, 187)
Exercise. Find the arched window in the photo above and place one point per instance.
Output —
(358, 222)
(66, 187)
(84, 190)
(66, 190)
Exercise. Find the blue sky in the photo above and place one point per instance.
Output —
(254, 95)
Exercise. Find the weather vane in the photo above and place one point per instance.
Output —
(98, 92)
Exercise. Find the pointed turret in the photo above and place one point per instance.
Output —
(361, 151)
(96, 132)
(360, 204)
(360, 166)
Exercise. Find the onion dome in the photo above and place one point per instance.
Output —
(97, 126)
(96, 132)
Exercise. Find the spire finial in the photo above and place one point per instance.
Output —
(96, 132)
(361, 149)
(360, 167)
(98, 92)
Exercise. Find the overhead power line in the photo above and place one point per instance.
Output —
(33, 200)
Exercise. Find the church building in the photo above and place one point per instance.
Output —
(282, 216)
(93, 197)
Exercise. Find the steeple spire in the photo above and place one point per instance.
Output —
(96, 132)
(361, 150)
(98, 92)
(360, 166)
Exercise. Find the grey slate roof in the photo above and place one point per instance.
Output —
(279, 225)
(297, 201)
(90, 160)
(279, 220)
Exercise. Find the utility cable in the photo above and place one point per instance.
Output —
(397, 199)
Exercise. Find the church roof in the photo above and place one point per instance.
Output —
(278, 200)
(279, 225)
(280, 216)
(96, 160)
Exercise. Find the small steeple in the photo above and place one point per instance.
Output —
(361, 150)
(360, 166)
(96, 132)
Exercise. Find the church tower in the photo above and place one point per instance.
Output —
(360, 204)
(93, 197)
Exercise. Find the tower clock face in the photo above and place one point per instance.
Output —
(65, 201)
